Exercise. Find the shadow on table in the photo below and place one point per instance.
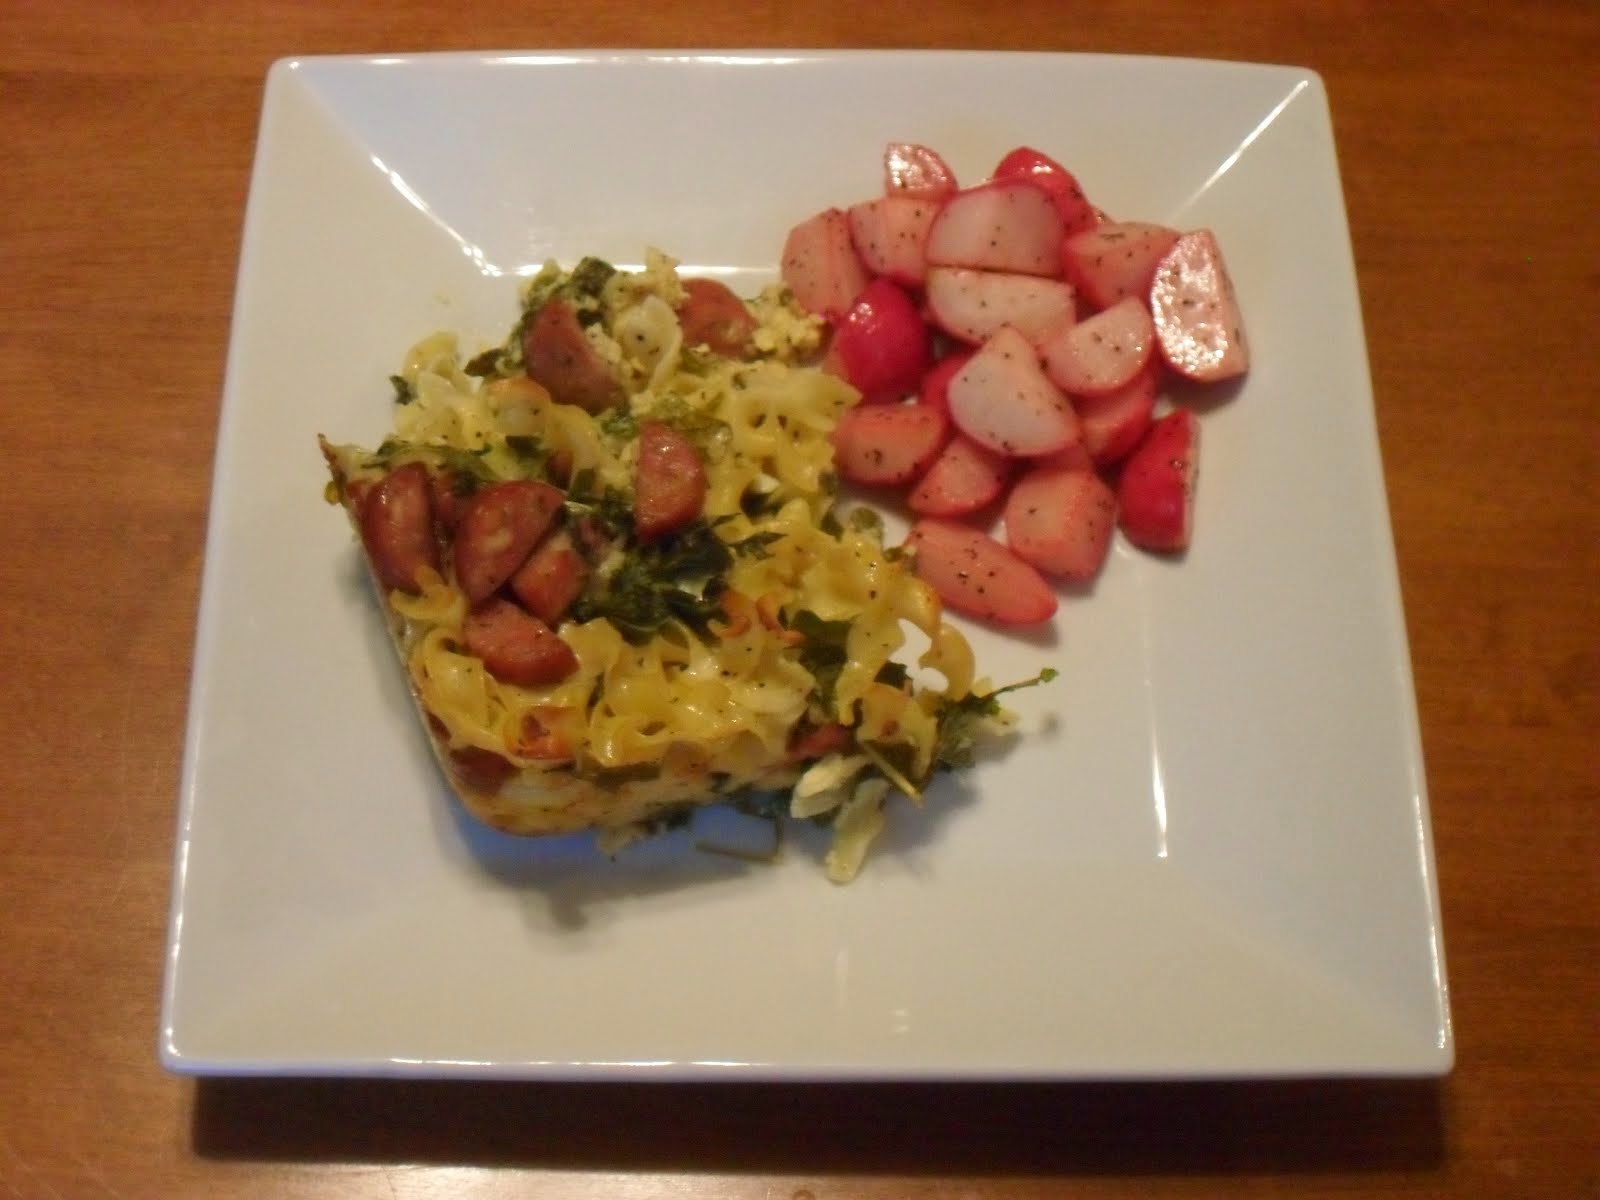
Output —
(915, 1129)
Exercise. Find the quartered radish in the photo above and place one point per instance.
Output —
(882, 345)
(1004, 225)
(913, 170)
(1196, 314)
(1002, 400)
(1111, 262)
(975, 574)
(891, 235)
(1102, 353)
(885, 445)
(820, 265)
(972, 305)
(1155, 492)
(1027, 163)
(964, 478)
(1114, 422)
(1060, 519)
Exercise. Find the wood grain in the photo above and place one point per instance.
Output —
(1467, 135)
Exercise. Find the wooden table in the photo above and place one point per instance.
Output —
(1468, 140)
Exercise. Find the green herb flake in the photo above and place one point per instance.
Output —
(404, 393)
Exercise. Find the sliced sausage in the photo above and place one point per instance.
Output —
(556, 353)
(540, 741)
(670, 488)
(517, 647)
(711, 315)
(481, 770)
(450, 499)
(552, 578)
(816, 741)
(396, 520)
(499, 528)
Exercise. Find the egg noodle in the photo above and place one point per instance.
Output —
(778, 616)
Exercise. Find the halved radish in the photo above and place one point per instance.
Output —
(1114, 422)
(1102, 353)
(1155, 492)
(1027, 163)
(913, 170)
(820, 265)
(1196, 314)
(964, 478)
(1002, 400)
(1004, 225)
(975, 574)
(1111, 262)
(1060, 519)
(881, 345)
(884, 445)
(891, 235)
(972, 305)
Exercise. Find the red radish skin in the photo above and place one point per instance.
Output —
(891, 236)
(1114, 422)
(1111, 262)
(1004, 225)
(1196, 313)
(973, 305)
(935, 390)
(820, 265)
(1060, 519)
(1155, 492)
(1074, 458)
(1103, 353)
(1002, 400)
(964, 478)
(882, 346)
(888, 445)
(1044, 172)
(974, 574)
(913, 170)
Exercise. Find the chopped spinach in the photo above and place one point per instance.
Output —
(619, 422)
(757, 545)
(894, 674)
(530, 453)
(468, 465)
(589, 277)
(960, 722)
(823, 651)
(404, 393)
(610, 507)
(676, 579)
(485, 364)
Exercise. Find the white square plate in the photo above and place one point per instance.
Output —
(1209, 853)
